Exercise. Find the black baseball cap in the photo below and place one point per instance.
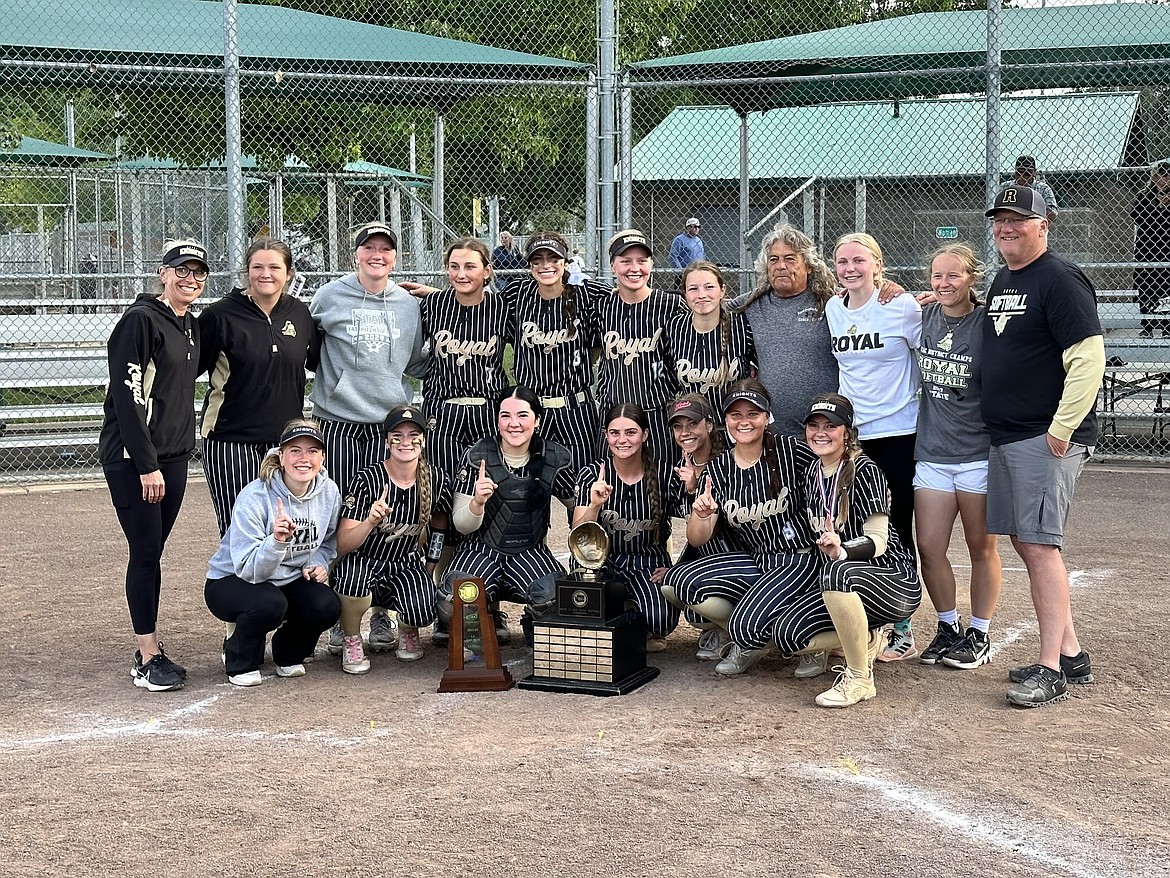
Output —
(623, 241)
(755, 398)
(696, 408)
(368, 231)
(186, 251)
(403, 414)
(552, 245)
(302, 431)
(835, 412)
(1023, 200)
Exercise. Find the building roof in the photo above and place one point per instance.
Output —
(919, 138)
(31, 151)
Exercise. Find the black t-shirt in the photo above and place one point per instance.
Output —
(1034, 314)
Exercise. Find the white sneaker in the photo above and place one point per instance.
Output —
(383, 631)
(248, 678)
(353, 657)
(714, 644)
(297, 670)
(848, 690)
(410, 647)
(739, 660)
(811, 664)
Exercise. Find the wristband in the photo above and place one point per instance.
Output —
(435, 546)
(860, 549)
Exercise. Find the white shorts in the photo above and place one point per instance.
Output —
(971, 478)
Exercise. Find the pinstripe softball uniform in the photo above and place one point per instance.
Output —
(637, 548)
(887, 585)
(703, 363)
(389, 564)
(466, 372)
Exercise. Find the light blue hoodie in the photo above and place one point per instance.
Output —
(250, 551)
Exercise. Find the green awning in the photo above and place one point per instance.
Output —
(32, 151)
(292, 165)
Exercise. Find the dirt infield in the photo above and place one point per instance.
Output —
(379, 775)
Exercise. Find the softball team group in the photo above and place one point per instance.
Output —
(630, 405)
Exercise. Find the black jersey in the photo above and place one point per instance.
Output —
(626, 515)
(467, 346)
(553, 353)
(635, 363)
(703, 363)
(256, 366)
(396, 536)
(754, 518)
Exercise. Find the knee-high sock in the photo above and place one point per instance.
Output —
(822, 642)
(352, 610)
(718, 610)
(848, 615)
(229, 628)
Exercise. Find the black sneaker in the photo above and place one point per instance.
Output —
(177, 668)
(441, 633)
(157, 675)
(1041, 687)
(1077, 669)
(970, 652)
(503, 635)
(945, 638)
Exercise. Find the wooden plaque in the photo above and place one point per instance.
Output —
(473, 658)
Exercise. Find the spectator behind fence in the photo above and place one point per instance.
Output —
(1025, 174)
(687, 247)
(506, 258)
(1151, 217)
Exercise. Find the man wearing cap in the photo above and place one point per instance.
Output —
(687, 247)
(1041, 323)
(1025, 175)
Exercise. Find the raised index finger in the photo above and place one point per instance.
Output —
(601, 473)
(385, 493)
(279, 508)
(483, 468)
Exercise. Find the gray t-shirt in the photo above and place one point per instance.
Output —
(950, 425)
(795, 355)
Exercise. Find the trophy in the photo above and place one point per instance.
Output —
(473, 659)
(593, 645)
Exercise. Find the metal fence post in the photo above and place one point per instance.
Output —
(236, 203)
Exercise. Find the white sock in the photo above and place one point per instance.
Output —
(983, 625)
(950, 617)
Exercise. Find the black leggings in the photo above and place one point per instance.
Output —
(894, 456)
(146, 526)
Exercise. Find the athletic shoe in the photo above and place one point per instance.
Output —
(336, 640)
(946, 637)
(848, 690)
(970, 652)
(247, 678)
(811, 664)
(297, 670)
(655, 643)
(441, 633)
(877, 640)
(1042, 686)
(157, 675)
(899, 646)
(383, 631)
(178, 668)
(714, 644)
(1077, 670)
(503, 634)
(353, 657)
(409, 644)
(739, 660)
(175, 667)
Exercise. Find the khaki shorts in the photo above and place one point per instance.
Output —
(1030, 492)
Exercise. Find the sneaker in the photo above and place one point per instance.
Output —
(336, 639)
(441, 633)
(157, 675)
(811, 664)
(1042, 686)
(1077, 670)
(353, 658)
(503, 634)
(409, 644)
(174, 666)
(739, 660)
(970, 652)
(297, 670)
(899, 646)
(946, 636)
(655, 643)
(383, 631)
(877, 640)
(714, 645)
(848, 690)
(178, 668)
(247, 678)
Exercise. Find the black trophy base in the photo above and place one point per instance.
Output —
(589, 687)
(589, 659)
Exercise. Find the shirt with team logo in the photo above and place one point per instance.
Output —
(1034, 314)
(395, 538)
(950, 425)
(466, 345)
(635, 365)
(705, 362)
(626, 515)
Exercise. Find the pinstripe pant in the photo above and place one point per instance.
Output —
(575, 426)
(717, 576)
(527, 577)
(404, 585)
(456, 428)
(228, 467)
(350, 448)
(635, 570)
(887, 594)
(754, 617)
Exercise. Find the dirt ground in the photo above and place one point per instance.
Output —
(379, 775)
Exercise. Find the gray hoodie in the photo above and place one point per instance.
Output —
(250, 551)
(370, 343)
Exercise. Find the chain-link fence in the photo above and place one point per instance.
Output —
(128, 124)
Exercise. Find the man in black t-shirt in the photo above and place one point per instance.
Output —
(1043, 360)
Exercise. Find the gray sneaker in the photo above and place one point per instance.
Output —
(1042, 686)
(1077, 670)
(811, 664)
(336, 640)
(714, 645)
(739, 660)
(383, 631)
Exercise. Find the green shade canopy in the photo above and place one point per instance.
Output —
(924, 138)
(1041, 48)
(31, 151)
(291, 166)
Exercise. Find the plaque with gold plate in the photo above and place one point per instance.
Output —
(473, 660)
(593, 645)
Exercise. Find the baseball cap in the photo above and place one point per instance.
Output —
(368, 231)
(757, 399)
(836, 412)
(302, 431)
(186, 251)
(1026, 161)
(551, 244)
(627, 239)
(694, 407)
(403, 414)
(1023, 200)
(693, 221)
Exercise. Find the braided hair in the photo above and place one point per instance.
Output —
(724, 314)
(638, 415)
(771, 448)
(569, 291)
(847, 474)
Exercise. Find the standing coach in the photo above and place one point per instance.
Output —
(1041, 323)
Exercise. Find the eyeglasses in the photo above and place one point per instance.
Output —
(1012, 220)
(200, 274)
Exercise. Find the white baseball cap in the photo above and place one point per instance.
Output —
(693, 221)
